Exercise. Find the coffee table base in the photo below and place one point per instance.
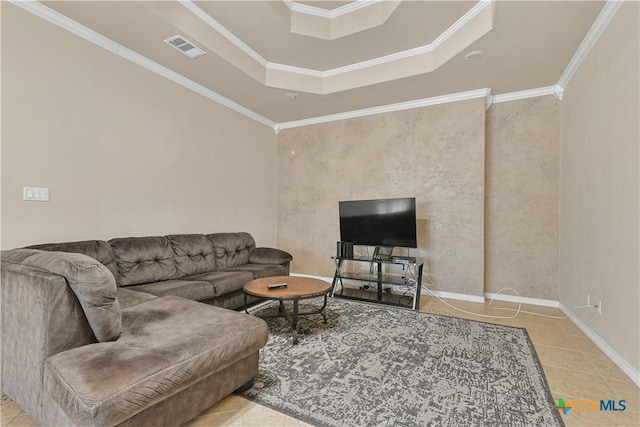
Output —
(292, 318)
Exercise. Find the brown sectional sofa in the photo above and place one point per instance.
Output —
(111, 333)
(210, 268)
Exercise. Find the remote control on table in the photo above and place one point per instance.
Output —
(277, 286)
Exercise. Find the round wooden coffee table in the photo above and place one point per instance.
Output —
(296, 289)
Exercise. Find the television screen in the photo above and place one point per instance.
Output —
(383, 222)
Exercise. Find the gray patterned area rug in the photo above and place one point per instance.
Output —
(374, 365)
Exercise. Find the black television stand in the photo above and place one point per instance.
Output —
(380, 284)
(403, 259)
(382, 253)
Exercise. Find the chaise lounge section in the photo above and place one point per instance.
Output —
(111, 333)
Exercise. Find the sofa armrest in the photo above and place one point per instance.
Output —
(269, 256)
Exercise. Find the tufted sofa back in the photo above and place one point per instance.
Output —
(137, 260)
(232, 249)
(194, 253)
(144, 259)
(97, 249)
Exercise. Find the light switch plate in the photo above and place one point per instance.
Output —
(35, 194)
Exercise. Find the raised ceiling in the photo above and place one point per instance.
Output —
(343, 56)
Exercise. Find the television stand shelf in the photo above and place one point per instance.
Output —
(380, 284)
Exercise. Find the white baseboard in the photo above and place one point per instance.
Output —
(326, 279)
(452, 295)
(606, 348)
(524, 300)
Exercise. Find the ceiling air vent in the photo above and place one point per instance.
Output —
(185, 46)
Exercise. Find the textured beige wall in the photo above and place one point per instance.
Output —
(434, 153)
(599, 204)
(522, 191)
(123, 151)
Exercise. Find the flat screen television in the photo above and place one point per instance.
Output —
(382, 222)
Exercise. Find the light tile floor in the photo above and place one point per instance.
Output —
(575, 369)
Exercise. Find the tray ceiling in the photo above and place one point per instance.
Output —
(401, 51)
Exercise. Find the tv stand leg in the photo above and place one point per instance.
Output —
(379, 281)
(337, 276)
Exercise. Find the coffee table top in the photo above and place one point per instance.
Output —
(297, 287)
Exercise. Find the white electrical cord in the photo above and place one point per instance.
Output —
(477, 314)
(517, 311)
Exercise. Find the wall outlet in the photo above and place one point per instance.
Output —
(35, 194)
(599, 307)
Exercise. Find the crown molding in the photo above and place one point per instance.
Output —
(309, 10)
(599, 25)
(524, 94)
(428, 48)
(333, 24)
(454, 97)
(330, 81)
(98, 39)
(558, 92)
(392, 57)
(294, 70)
(488, 100)
(330, 14)
(208, 19)
(460, 23)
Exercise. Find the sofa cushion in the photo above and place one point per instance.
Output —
(224, 282)
(269, 256)
(128, 298)
(92, 283)
(190, 289)
(143, 259)
(166, 345)
(193, 253)
(96, 249)
(16, 256)
(231, 249)
(263, 270)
